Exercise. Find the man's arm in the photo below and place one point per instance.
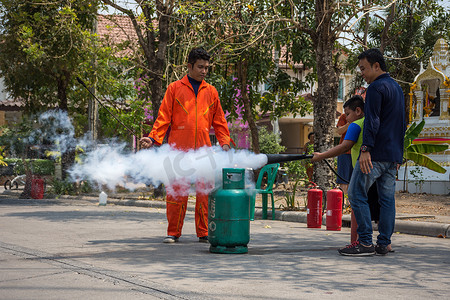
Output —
(372, 111)
(220, 124)
(162, 122)
(333, 152)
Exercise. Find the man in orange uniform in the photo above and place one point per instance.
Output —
(190, 106)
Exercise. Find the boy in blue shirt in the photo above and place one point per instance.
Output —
(354, 110)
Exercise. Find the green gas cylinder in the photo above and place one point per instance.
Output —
(229, 214)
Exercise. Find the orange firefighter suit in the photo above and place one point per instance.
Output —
(190, 118)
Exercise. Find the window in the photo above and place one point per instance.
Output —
(341, 89)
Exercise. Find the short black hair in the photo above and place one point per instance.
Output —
(196, 54)
(310, 134)
(354, 102)
(374, 56)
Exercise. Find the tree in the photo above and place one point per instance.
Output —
(152, 30)
(406, 34)
(42, 45)
(325, 22)
(245, 42)
(45, 45)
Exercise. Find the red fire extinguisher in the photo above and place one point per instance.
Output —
(37, 188)
(334, 209)
(314, 209)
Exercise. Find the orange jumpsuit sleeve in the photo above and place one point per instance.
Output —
(164, 118)
(219, 122)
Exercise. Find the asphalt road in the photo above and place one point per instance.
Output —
(69, 249)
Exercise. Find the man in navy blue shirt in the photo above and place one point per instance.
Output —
(381, 153)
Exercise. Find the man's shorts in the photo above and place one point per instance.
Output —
(344, 168)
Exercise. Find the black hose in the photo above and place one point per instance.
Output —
(279, 158)
(114, 116)
(334, 171)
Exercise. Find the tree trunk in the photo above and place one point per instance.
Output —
(324, 103)
(387, 24)
(67, 160)
(243, 83)
(154, 47)
(93, 116)
(324, 112)
(63, 82)
(157, 92)
(26, 194)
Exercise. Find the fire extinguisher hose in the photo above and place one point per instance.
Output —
(334, 171)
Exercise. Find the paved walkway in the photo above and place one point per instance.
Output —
(73, 248)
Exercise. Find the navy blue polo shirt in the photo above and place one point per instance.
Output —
(385, 123)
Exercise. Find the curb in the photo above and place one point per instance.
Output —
(430, 229)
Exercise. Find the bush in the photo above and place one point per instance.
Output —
(269, 142)
(38, 166)
(67, 187)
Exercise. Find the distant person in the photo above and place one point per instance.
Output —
(381, 154)
(191, 106)
(308, 148)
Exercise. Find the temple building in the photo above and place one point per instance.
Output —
(429, 101)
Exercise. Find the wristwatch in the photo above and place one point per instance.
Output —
(365, 148)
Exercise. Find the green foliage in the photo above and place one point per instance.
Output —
(418, 179)
(416, 152)
(15, 139)
(62, 187)
(269, 142)
(282, 98)
(416, 26)
(296, 171)
(290, 196)
(2, 157)
(48, 41)
(67, 187)
(53, 42)
(38, 166)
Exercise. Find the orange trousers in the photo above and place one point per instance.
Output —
(177, 199)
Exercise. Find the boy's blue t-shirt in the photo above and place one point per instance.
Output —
(354, 134)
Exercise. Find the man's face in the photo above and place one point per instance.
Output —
(369, 72)
(352, 115)
(199, 70)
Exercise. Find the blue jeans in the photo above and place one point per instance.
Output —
(383, 173)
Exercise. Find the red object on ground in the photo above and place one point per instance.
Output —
(334, 209)
(314, 209)
(37, 188)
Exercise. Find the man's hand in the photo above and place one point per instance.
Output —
(226, 147)
(365, 162)
(146, 142)
(317, 157)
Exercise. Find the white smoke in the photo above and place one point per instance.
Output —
(55, 128)
(110, 166)
(113, 165)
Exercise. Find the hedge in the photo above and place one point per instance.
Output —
(38, 166)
